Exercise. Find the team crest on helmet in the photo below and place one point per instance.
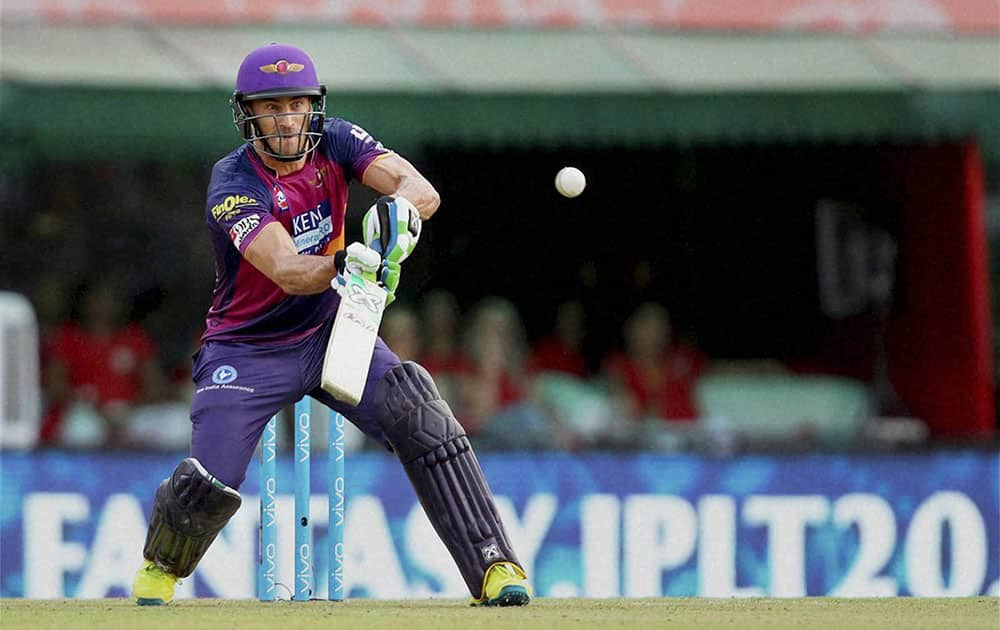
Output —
(282, 66)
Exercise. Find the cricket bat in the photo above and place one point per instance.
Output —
(352, 341)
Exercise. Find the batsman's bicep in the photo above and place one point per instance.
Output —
(387, 172)
(268, 248)
(392, 174)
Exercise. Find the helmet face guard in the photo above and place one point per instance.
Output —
(279, 71)
(309, 134)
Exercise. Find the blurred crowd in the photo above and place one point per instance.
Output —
(117, 337)
(509, 393)
(105, 381)
(106, 384)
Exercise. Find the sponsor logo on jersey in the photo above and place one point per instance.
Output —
(282, 66)
(243, 227)
(223, 378)
(280, 198)
(312, 229)
(230, 203)
(224, 374)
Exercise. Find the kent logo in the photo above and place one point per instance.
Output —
(306, 221)
(312, 229)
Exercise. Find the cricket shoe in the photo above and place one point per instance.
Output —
(505, 584)
(153, 586)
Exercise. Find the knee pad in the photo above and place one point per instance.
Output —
(436, 454)
(190, 509)
(414, 418)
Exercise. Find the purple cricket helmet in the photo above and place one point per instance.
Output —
(276, 71)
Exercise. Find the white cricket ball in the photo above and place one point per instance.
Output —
(570, 181)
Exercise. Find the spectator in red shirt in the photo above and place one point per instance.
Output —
(655, 377)
(562, 351)
(101, 362)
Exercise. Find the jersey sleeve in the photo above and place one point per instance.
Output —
(352, 147)
(239, 214)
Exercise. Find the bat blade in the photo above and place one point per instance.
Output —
(352, 340)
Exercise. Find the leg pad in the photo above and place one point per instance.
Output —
(444, 471)
(190, 509)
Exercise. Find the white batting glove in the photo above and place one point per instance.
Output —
(359, 261)
(392, 228)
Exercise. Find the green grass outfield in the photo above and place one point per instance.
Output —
(358, 614)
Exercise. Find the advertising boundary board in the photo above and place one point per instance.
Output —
(598, 525)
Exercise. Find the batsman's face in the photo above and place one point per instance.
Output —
(284, 120)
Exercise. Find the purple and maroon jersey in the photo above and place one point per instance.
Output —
(243, 197)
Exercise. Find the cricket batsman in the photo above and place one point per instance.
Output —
(275, 211)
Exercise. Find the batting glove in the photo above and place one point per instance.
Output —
(363, 261)
(392, 228)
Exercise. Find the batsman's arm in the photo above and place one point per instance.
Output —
(394, 175)
(273, 253)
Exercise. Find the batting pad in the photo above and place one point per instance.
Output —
(444, 471)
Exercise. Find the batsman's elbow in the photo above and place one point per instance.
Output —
(427, 201)
(433, 202)
(408, 183)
